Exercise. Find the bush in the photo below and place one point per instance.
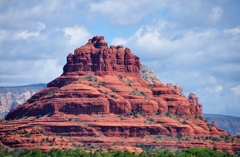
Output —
(120, 76)
(42, 132)
(103, 84)
(184, 122)
(158, 112)
(149, 151)
(179, 136)
(143, 93)
(27, 135)
(8, 132)
(168, 114)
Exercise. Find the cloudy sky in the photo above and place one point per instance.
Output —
(193, 43)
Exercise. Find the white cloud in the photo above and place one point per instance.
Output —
(214, 89)
(77, 35)
(236, 90)
(22, 34)
(232, 31)
(227, 67)
(218, 88)
(125, 12)
(119, 41)
(37, 71)
(216, 13)
(46, 70)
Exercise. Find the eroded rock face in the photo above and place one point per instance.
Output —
(193, 99)
(96, 56)
(101, 80)
(101, 94)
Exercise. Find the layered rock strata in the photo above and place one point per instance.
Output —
(101, 99)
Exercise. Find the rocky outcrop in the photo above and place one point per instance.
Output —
(193, 99)
(101, 99)
(148, 75)
(96, 57)
(97, 79)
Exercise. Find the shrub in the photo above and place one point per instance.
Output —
(8, 132)
(184, 122)
(42, 132)
(27, 135)
(103, 84)
(158, 112)
(179, 136)
(151, 120)
(168, 114)
(66, 84)
(143, 93)
(120, 76)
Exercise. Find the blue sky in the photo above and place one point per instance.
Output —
(193, 43)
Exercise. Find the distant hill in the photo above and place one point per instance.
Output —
(12, 96)
(229, 124)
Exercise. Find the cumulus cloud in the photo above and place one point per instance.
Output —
(233, 31)
(77, 35)
(124, 12)
(216, 13)
(236, 90)
(22, 34)
(38, 71)
(215, 89)
(119, 41)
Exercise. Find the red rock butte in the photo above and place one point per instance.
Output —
(96, 61)
(101, 99)
(95, 56)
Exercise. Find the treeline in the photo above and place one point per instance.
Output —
(192, 152)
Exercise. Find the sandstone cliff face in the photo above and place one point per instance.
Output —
(101, 99)
(94, 70)
(96, 57)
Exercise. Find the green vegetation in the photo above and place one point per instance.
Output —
(192, 152)
(184, 122)
(179, 136)
(136, 92)
(120, 76)
(9, 132)
(135, 114)
(103, 84)
(168, 114)
(27, 135)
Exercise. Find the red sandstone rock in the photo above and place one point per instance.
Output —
(101, 99)
(193, 99)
